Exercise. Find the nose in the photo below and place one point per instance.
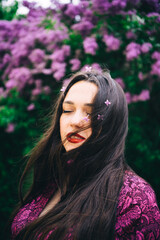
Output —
(77, 119)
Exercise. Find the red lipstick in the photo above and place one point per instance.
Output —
(75, 138)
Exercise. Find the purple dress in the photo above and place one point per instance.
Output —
(138, 216)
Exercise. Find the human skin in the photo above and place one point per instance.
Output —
(77, 107)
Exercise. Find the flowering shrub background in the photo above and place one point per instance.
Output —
(39, 51)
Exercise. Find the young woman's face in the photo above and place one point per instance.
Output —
(77, 107)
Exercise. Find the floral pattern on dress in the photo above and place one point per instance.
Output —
(137, 216)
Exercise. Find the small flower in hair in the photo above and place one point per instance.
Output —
(107, 102)
(88, 69)
(86, 118)
(100, 117)
(63, 89)
(70, 161)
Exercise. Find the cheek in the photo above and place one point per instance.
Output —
(89, 132)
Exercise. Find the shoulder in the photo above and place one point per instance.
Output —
(136, 190)
(137, 210)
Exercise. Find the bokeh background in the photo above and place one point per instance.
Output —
(41, 48)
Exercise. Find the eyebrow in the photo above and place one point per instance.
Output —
(71, 103)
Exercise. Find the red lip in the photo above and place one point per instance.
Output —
(70, 138)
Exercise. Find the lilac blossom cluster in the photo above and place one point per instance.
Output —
(21, 60)
(111, 42)
(50, 43)
(90, 45)
(155, 67)
(133, 50)
(143, 96)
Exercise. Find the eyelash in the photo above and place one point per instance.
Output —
(65, 111)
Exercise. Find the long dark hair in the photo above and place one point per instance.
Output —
(94, 178)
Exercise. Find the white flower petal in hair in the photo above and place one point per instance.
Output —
(88, 69)
(107, 102)
(100, 117)
(63, 89)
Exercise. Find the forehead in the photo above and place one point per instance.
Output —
(82, 92)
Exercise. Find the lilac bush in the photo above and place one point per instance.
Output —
(39, 51)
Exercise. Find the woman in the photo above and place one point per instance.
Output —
(82, 187)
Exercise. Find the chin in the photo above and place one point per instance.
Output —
(70, 146)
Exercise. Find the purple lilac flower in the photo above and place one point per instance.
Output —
(4, 46)
(53, 36)
(101, 6)
(143, 96)
(11, 84)
(18, 52)
(28, 4)
(75, 64)
(67, 50)
(100, 117)
(3, 93)
(38, 83)
(111, 42)
(96, 66)
(141, 76)
(31, 107)
(128, 97)
(57, 65)
(88, 14)
(43, 37)
(146, 47)
(153, 14)
(18, 78)
(5, 25)
(131, 35)
(60, 54)
(6, 58)
(38, 68)
(10, 128)
(156, 55)
(28, 40)
(73, 10)
(90, 45)
(36, 91)
(58, 75)
(37, 56)
(118, 5)
(84, 27)
(133, 50)
(155, 68)
(47, 71)
(46, 90)
(120, 81)
(57, 35)
(59, 70)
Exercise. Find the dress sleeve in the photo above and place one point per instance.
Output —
(138, 215)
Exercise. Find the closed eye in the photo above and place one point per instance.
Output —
(65, 111)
